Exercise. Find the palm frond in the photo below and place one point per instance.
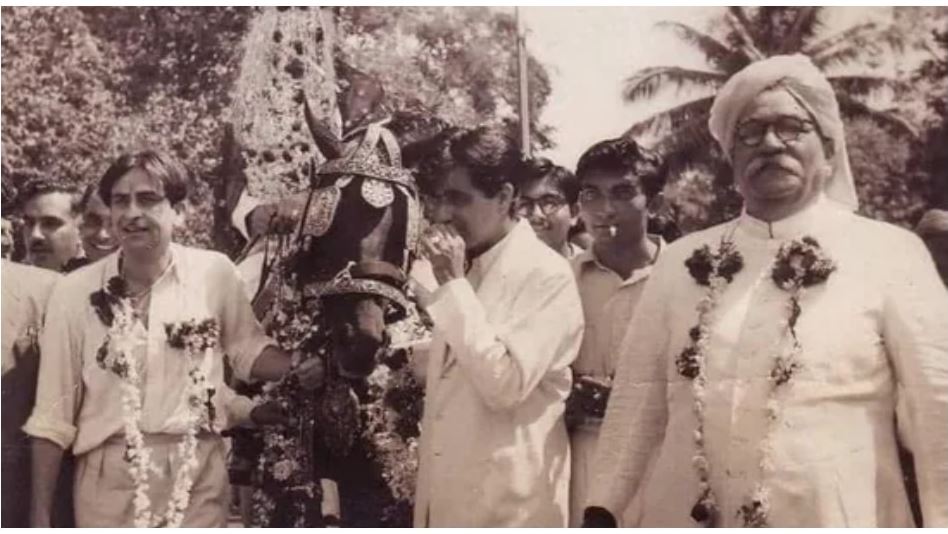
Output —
(840, 57)
(804, 25)
(741, 25)
(892, 122)
(689, 146)
(856, 43)
(718, 53)
(860, 84)
(828, 43)
(646, 82)
(672, 119)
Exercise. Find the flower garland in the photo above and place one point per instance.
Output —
(379, 415)
(125, 333)
(287, 492)
(798, 265)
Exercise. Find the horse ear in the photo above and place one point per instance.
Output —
(326, 141)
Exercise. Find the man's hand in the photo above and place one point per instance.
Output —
(269, 414)
(276, 218)
(312, 373)
(445, 249)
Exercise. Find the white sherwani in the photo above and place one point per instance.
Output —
(494, 450)
(880, 320)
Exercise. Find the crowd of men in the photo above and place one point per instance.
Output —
(555, 390)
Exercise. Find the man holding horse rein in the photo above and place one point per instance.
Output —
(494, 450)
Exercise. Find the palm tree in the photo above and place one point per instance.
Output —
(754, 34)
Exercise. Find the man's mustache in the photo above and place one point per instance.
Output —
(779, 161)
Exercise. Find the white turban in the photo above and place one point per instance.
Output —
(810, 88)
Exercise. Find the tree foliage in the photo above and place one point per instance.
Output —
(83, 84)
(459, 64)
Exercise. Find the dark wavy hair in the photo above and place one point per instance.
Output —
(164, 167)
(38, 185)
(491, 156)
(536, 169)
(624, 156)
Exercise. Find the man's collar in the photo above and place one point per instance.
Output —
(801, 222)
(487, 258)
(589, 255)
(178, 262)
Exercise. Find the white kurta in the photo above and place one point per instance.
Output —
(494, 450)
(880, 320)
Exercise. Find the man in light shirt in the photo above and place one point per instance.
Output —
(618, 179)
(494, 450)
(80, 404)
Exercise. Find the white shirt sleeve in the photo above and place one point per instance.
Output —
(506, 366)
(242, 336)
(59, 384)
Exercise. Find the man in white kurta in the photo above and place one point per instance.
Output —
(880, 321)
(494, 450)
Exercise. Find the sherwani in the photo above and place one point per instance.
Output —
(494, 450)
(880, 320)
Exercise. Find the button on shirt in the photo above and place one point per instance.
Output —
(80, 404)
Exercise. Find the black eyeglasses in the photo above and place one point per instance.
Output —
(787, 128)
(548, 205)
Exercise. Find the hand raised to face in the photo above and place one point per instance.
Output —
(445, 249)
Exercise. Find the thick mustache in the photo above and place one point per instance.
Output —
(779, 161)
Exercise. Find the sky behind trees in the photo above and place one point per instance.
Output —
(589, 51)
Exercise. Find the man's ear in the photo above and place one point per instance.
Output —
(180, 214)
(507, 196)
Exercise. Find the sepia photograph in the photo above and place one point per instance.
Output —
(474, 267)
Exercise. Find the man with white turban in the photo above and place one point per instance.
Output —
(758, 376)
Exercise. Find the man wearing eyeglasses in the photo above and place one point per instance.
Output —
(760, 375)
(548, 202)
(618, 180)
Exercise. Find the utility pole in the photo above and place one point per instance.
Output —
(524, 75)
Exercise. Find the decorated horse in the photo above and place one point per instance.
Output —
(336, 289)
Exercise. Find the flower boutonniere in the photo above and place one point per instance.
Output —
(725, 263)
(105, 300)
(193, 335)
(801, 264)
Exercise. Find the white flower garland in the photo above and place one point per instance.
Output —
(706, 500)
(798, 265)
(125, 334)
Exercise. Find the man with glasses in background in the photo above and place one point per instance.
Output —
(548, 202)
(617, 181)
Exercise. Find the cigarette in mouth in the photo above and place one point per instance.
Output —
(612, 230)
